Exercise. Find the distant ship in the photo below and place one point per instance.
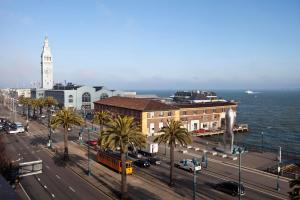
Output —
(249, 92)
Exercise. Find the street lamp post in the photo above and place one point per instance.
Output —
(89, 163)
(262, 142)
(194, 179)
(278, 169)
(240, 163)
(50, 130)
(88, 131)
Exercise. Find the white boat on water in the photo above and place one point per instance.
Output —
(249, 92)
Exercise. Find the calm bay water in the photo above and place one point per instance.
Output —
(275, 113)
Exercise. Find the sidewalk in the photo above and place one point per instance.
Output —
(108, 181)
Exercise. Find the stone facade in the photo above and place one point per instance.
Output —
(155, 115)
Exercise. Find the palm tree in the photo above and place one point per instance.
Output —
(120, 133)
(34, 103)
(172, 133)
(66, 118)
(41, 104)
(22, 100)
(101, 118)
(50, 101)
(295, 184)
(27, 102)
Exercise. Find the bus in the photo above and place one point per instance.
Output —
(113, 161)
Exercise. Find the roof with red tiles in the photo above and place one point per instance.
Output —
(135, 103)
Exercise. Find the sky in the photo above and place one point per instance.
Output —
(153, 44)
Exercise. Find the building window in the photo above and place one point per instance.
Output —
(195, 112)
(161, 114)
(160, 125)
(183, 112)
(104, 96)
(86, 97)
(70, 98)
(169, 113)
(151, 114)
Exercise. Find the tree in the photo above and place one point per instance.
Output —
(41, 104)
(22, 100)
(120, 133)
(295, 185)
(101, 118)
(173, 133)
(34, 104)
(66, 118)
(50, 101)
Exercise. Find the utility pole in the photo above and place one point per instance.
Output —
(278, 169)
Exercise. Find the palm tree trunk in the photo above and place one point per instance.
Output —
(171, 164)
(66, 152)
(124, 177)
(41, 110)
(28, 110)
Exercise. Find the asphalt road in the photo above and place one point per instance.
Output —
(56, 181)
(257, 186)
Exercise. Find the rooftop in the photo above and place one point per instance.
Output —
(140, 104)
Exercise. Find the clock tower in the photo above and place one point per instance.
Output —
(46, 66)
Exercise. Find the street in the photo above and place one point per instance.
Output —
(62, 183)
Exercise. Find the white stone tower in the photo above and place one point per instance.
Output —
(46, 66)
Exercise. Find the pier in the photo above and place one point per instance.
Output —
(240, 128)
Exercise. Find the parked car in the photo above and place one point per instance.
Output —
(92, 142)
(188, 164)
(142, 163)
(154, 160)
(15, 128)
(230, 187)
(134, 154)
(200, 131)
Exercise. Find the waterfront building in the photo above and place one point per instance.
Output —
(150, 114)
(78, 97)
(208, 116)
(46, 66)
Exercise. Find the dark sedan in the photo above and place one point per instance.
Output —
(230, 187)
(154, 160)
(142, 163)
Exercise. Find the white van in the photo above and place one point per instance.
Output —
(17, 127)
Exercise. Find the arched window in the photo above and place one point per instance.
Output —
(86, 97)
(70, 98)
(103, 96)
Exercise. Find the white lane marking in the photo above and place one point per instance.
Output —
(245, 185)
(248, 170)
(38, 179)
(47, 167)
(71, 189)
(53, 195)
(45, 186)
(57, 176)
(24, 192)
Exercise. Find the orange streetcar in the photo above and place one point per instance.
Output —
(113, 161)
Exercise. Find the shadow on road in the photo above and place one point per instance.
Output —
(39, 140)
(141, 193)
